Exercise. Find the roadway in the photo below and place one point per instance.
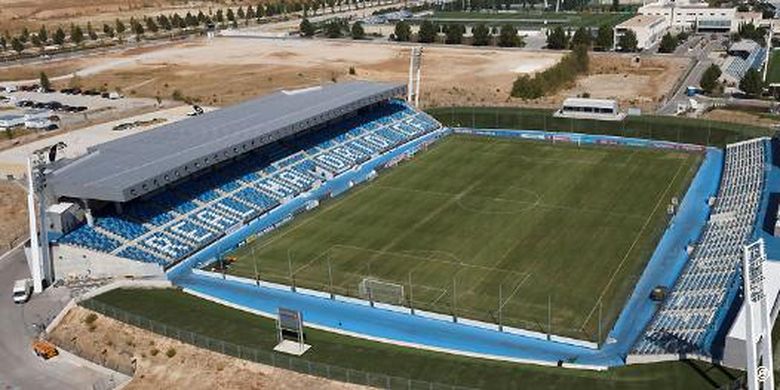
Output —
(19, 367)
(700, 55)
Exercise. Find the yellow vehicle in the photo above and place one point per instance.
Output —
(44, 349)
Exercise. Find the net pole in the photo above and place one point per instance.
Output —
(330, 278)
(601, 304)
(411, 296)
(257, 271)
(454, 301)
(549, 316)
(500, 306)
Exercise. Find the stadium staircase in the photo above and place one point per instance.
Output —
(170, 225)
(696, 308)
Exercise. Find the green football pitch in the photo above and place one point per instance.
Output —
(533, 235)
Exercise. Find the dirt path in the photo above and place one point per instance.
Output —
(188, 368)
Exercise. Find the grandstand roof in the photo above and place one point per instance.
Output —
(124, 169)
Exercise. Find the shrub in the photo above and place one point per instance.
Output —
(171, 352)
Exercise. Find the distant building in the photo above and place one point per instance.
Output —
(688, 15)
(648, 30)
(582, 108)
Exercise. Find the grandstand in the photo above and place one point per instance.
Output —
(696, 308)
(131, 214)
(743, 55)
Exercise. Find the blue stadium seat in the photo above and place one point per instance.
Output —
(86, 237)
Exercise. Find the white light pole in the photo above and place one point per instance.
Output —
(757, 326)
(34, 262)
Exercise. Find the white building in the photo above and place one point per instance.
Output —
(582, 108)
(687, 15)
(648, 30)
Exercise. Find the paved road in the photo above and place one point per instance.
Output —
(702, 62)
(19, 367)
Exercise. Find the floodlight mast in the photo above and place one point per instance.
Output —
(757, 325)
(415, 76)
(41, 268)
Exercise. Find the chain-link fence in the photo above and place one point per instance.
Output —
(279, 360)
(676, 129)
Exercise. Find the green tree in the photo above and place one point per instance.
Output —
(627, 42)
(307, 29)
(709, 79)
(508, 36)
(557, 39)
(76, 34)
(44, 81)
(3, 43)
(581, 37)
(138, 28)
(59, 37)
(36, 41)
(454, 34)
(120, 27)
(108, 30)
(357, 31)
(427, 33)
(752, 83)
(91, 32)
(605, 38)
(403, 32)
(151, 25)
(615, 6)
(17, 45)
(481, 34)
(24, 36)
(668, 43)
(43, 35)
(333, 29)
(230, 16)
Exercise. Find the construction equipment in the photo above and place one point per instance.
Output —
(44, 349)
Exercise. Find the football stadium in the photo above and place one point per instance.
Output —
(350, 206)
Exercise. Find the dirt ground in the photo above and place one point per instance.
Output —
(189, 368)
(13, 225)
(222, 71)
(740, 116)
(614, 76)
(15, 14)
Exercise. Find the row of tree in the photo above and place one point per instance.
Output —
(559, 39)
(670, 42)
(78, 34)
(482, 35)
(336, 28)
(555, 77)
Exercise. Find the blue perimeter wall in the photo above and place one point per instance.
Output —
(663, 268)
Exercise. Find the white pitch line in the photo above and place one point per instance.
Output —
(633, 244)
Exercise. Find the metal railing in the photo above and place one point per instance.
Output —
(274, 359)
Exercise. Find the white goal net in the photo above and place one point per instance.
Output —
(381, 291)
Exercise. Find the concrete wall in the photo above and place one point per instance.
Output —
(71, 261)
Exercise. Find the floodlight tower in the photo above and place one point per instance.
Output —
(758, 329)
(40, 263)
(415, 75)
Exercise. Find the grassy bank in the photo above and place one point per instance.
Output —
(176, 309)
(688, 130)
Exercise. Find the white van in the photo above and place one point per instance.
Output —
(22, 290)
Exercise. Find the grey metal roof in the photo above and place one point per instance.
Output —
(129, 167)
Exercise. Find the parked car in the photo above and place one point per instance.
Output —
(22, 290)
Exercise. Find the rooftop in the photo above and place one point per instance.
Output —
(126, 168)
(640, 21)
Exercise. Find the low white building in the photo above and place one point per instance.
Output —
(688, 15)
(586, 108)
(648, 30)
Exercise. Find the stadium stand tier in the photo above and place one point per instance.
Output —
(168, 224)
(696, 307)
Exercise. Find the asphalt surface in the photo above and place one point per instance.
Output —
(702, 62)
(19, 367)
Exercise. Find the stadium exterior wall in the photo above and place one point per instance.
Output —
(71, 261)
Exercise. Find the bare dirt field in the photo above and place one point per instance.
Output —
(13, 225)
(15, 14)
(227, 70)
(108, 340)
(614, 76)
(222, 71)
(741, 116)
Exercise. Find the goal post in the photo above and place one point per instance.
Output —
(376, 290)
